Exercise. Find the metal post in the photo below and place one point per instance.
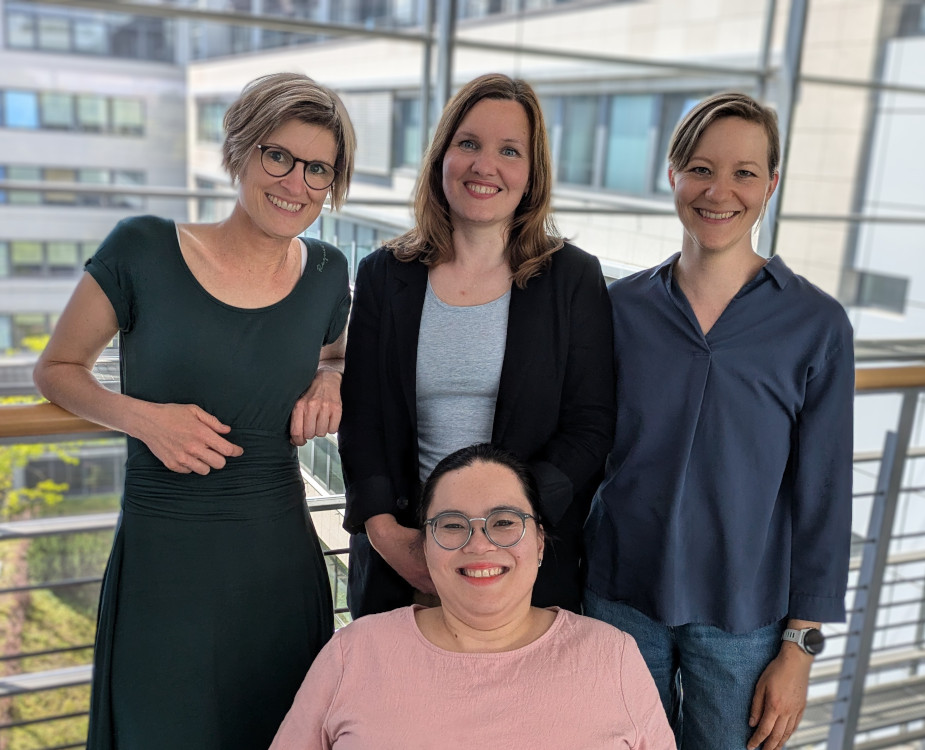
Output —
(256, 31)
(863, 623)
(426, 65)
(446, 33)
(790, 81)
(766, 42)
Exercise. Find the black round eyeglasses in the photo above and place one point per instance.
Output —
(278, 162)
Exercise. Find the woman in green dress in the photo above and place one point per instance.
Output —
(216, 600)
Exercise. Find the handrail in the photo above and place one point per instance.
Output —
(889, 378)
(30, 420)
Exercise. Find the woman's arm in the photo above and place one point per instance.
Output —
(822, 464)
(573, 456)
(183, 436)
(363, 440)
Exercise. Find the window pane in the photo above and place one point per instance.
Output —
(2, 192)
(59, 197)
(26, 258)
(21, 109)
(6, 332)
(20, 30)
(57, 111)
(209, 117)
(94, 177)
(54, 34)
(407, 133)
(883, 292)
(629, 142)
(4, 262)
(576, 160)
(63, 259)
(28, 325)
(24, 197)
(127, 117)
(90, 37)
(120, 177)
(92, 113)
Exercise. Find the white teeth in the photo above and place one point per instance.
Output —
(710, 215)
(293, 207)
(482, 189)
(482, 572)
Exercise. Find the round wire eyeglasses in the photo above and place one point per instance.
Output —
(503, 528)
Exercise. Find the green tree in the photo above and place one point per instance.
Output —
(18, 501)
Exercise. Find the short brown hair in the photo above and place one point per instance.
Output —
(532, 236)
(730, 104)
(268, 102)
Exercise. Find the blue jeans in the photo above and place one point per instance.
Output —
(705, 676)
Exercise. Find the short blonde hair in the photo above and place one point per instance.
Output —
(268, 102)
(730, 104)
(533, 236)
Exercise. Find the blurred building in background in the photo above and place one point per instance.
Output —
(109, 109)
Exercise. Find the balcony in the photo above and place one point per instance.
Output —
(867, 691)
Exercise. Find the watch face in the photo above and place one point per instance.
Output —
(814, 641)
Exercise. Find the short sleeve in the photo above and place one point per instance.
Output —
(129, 259)
(328, 261)
(338, 318)
(111, 268)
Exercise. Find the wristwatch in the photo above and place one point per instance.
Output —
(811, 640)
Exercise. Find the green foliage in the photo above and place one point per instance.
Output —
(52, 624)
(17, 500)
(69, 556)
(35, 343)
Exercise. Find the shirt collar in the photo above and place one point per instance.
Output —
(664, 268)
(775, 268)
(779, 271)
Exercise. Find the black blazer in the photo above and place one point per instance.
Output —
(555, 410)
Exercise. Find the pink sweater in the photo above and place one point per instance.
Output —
(380, 685)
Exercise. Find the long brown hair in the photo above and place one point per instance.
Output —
(532, 236)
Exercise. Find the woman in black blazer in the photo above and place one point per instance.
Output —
(484, 237)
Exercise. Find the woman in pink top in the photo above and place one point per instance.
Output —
(484, 669)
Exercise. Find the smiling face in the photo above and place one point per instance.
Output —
(486, 168)
(721, 192)
(283, 207)
(481, 580)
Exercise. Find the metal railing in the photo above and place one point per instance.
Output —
(866, 692)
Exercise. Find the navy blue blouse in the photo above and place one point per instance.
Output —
(727, 495)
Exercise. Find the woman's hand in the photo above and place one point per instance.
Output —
(185, 438)
(780, 697)
(318, 410)
(401, 548)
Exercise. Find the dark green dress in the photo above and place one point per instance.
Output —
(215, 600)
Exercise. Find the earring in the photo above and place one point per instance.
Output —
(539, 563)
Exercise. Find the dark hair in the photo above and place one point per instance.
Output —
(532, 236)
(730, 104)
(481, 453)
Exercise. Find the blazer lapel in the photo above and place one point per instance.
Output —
(525, 326)
(407, 287)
